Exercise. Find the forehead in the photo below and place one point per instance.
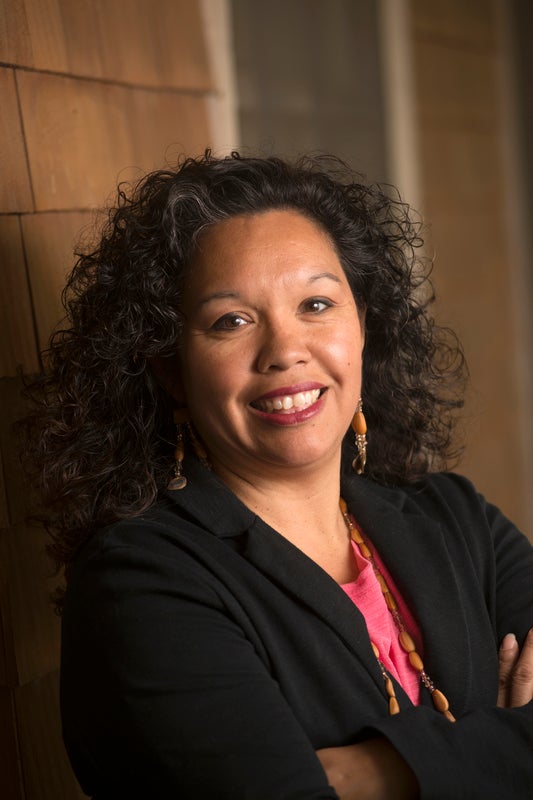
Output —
(283, 235)
(260, 258)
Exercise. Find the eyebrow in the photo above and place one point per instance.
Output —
(226, 294)
(218, 296)
(321, 275)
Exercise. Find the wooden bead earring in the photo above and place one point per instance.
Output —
(359, 428)
(179, 481)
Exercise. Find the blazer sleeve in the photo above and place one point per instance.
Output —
(488, 752)
(164, 696)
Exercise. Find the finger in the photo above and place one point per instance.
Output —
(507, 658)
(522, 676)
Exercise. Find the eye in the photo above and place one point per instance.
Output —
(316, 305)
(230, 322)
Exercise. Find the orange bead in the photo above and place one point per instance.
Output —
(365, 552)
(416, 661)
(406, 642)
(382, 582)
(356, 536)
(390, 688)
(343, 505)
(359, 423)
(179, 452)
(394, 707)
(375, 649)
(449, 715)
(439, 701)
(391, 602)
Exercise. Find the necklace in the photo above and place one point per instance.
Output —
(406, 642)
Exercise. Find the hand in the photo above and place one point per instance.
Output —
(515, 672)
(372, 770)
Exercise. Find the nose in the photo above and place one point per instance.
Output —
(283, 345)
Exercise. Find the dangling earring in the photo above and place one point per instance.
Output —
(359, 428)
(199, 449)
(179, 481)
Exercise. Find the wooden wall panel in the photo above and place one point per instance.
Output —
(15, 190)
(167, 40)
(15, 42)
(17, 342)
(49, 241)
(4, 519)
(470, 22)
(83, 135)
(46, 772)
(460, 117)
(457, 89)
(10, 777)
(13, 408)
(130, 41)
(92, 91)
(34, 625)
(8, 664)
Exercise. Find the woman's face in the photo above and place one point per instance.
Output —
(270, 358)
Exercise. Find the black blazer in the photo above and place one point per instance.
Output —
(204, 656)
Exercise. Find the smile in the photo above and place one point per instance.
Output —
(284, 404)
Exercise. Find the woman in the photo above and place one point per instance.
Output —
(260, 602)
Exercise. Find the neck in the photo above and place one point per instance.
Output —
(303, 507)
(279, 492)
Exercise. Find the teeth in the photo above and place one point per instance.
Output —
(300, 400)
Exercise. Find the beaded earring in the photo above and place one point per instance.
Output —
(359, 428)
(179, 481)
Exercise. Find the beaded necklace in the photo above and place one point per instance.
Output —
(406, 642)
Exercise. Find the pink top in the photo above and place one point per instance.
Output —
(366, 593)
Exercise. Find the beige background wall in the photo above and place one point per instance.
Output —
(92, 91)
(470, 168)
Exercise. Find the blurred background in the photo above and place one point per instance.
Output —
(431, 95)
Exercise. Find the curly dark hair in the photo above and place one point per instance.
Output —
(101, 437)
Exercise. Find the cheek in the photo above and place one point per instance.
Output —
(347, 349)
(209, 381)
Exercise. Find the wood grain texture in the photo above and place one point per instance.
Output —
(8, 665)
(14, 407)
(470, 22)
(130, 41)
(82, 136)
(460, 87)
(4, 518)
(45, 768)
(49, 241)
(15, 40)
(35, 628)
(15, 190)
(10, 778)
(464, 183)
(18, 346)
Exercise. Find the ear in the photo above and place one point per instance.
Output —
(362, 321)
(167, 370)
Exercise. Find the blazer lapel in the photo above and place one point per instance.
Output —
(411, 545)
(413, 548)
(309, 584)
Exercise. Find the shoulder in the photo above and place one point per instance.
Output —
(438, 495)
(448, 500)
(160, 529)
(447, 492)
(160, 550)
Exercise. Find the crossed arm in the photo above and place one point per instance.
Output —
(374, 770)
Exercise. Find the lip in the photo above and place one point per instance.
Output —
(295, 416)
(287, 390)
